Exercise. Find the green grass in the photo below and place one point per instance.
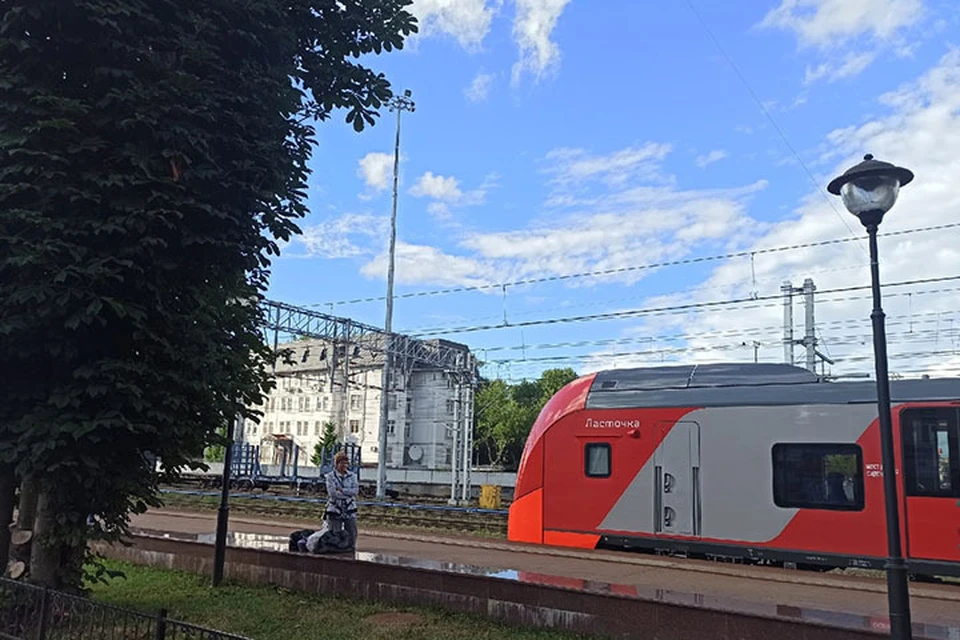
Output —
(269, 613)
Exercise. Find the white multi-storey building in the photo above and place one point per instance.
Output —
(321, 382)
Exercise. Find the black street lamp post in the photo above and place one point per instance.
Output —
(223, 512)
(869, 190)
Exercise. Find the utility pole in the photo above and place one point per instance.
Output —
(787, 289)
(809, 340)
(809, 333)
(398, 104)
(466, 414)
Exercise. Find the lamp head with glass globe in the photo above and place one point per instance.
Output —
(870, 188)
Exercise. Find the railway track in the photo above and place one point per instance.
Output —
(306, 489)
(428, 518)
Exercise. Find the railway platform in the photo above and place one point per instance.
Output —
(667, 595)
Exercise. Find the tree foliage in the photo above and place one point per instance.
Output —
(152, 155)
(328, 440)
(505, 414)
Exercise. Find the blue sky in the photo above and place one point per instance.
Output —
(554, 137)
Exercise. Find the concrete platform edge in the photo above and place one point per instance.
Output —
(508, 601)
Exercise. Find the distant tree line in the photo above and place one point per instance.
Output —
(506, 412)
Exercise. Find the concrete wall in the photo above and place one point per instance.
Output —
(571, 605)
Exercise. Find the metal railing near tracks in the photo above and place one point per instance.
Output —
(29, 612)
(362, 503)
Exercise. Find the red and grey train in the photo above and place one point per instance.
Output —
(763, 463)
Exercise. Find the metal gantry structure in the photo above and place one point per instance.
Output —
(400, 353)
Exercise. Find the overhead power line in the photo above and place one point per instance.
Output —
(633, 313)
(639, 267)
(755, 333)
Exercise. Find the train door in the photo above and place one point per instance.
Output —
(931, 463)
(677, 480)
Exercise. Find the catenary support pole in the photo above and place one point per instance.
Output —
(787, 289)
(809, 325)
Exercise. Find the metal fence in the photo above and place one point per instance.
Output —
(28, 612)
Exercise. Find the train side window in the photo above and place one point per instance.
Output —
(931, 458)
(818, 476)
(596, 458)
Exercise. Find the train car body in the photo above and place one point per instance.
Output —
(765, 463)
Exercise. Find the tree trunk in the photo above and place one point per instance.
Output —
(8, 495)
(45, 555)
(27, 510)
(22, 534)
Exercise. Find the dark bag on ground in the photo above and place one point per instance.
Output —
(330, 541)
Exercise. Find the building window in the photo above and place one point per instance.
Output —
(818, 476)
(354, 401)
(931, 452)
(392, 401)
(319, 403)
(300, 403)
(317, 428)
(354, 426)
(596, 460)
(451, 405)
(391, 426)
(409, 406)
(406, 430)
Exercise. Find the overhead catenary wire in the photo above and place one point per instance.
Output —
(739, 334)
(634, 313)
(640, 267)
(661, 353)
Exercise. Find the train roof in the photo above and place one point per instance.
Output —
(740, 384)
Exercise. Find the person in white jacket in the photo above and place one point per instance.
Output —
(343, 486)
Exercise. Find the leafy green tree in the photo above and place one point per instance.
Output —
(552, 380)
(152, 156)
(327, 441)
(506, 413)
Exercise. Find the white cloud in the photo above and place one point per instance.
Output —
(533, 24)
(466, 20)
(416, 264)
(344, 237)
(921, 130)
(446, 193)
(571, 166)
(628, 224)
(437, 187)
(852, 65)
(714, 156)
(440, 210)
(479, 89)
(376, 169)
(830, 22)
